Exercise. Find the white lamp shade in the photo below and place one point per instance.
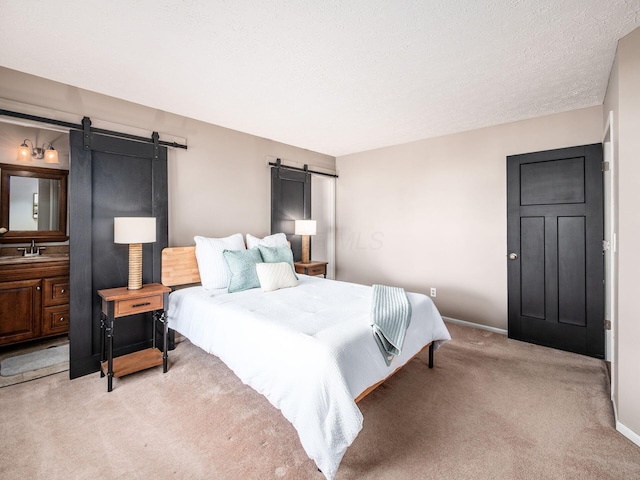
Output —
(305, 227)
(134, 229)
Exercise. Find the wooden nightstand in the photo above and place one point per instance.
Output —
(312, 268)
(122, 302)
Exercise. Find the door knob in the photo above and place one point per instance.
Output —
(513, 256)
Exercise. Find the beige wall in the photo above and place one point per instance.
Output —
(219, 186)
(432, 213)
(623, 98)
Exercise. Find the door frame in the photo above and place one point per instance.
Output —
(611, 253)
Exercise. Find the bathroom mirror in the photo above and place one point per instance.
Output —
(33, 204)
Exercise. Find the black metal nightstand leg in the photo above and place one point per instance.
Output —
(103, 326)
(165, 327)
(110, 356)
(431, 355)
(154, 316)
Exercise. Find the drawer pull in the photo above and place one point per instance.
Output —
(61, 319)
(140, 305)
(62, 290)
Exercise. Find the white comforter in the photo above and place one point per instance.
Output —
(310, 350)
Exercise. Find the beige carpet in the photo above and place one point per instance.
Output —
(492, 408)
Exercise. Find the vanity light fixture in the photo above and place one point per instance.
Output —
(134, 231)
(26, 153)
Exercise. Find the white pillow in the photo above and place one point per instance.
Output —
(211, 264)
(274, 276)
(275, 240)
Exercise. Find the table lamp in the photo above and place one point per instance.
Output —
(305, 228)
(134, 231)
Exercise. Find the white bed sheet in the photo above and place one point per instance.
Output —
(309, 350)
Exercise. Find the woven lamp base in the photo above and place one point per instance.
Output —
(135, 266)
(305, 248)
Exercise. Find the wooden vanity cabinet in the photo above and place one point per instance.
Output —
(20, 313)
(34, 299)
(55, 305)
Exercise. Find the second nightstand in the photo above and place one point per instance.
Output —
(122, 302)
(312, 268)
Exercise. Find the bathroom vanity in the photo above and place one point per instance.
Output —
(34, 297)
(34, 279)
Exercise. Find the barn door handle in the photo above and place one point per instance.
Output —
(513, 256)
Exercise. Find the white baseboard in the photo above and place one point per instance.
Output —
(475, 325)
(627, 432)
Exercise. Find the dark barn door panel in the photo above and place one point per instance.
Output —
(555, 230)
(110, 177)
(290, 201)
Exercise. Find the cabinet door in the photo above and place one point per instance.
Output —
(20, 311)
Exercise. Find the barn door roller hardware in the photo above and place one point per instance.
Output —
(83, 127)
(305, 169)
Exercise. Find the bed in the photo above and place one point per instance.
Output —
(309, 350)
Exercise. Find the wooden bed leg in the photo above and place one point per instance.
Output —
(431, 355)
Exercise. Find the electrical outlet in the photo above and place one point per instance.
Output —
(433, 291)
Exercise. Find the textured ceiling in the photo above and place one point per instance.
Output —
(333, 76)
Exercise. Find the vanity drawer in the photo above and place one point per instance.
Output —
(55, 291)
(55, 320)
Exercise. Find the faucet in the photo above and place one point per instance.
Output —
(33, 250)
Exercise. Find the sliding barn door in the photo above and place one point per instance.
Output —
(110, 177)
(555, 232)
(290, 201)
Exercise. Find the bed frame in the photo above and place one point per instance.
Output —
(180, 267)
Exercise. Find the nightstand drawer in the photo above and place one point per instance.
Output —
(311, 268)
(138, 305)
(318, 270)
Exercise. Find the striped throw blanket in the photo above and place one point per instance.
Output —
(390, 318)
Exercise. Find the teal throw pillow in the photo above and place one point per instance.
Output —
(242, 269)
(277, 255)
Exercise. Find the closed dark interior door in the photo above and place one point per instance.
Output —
(290, 201)
(555, 231)
(110, 178)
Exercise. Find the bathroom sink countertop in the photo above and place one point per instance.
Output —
(18, 259)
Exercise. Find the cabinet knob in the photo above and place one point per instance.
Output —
(61, 319)
(62, 290)
(37, 288)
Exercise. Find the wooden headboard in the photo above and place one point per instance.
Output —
(179, 266)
